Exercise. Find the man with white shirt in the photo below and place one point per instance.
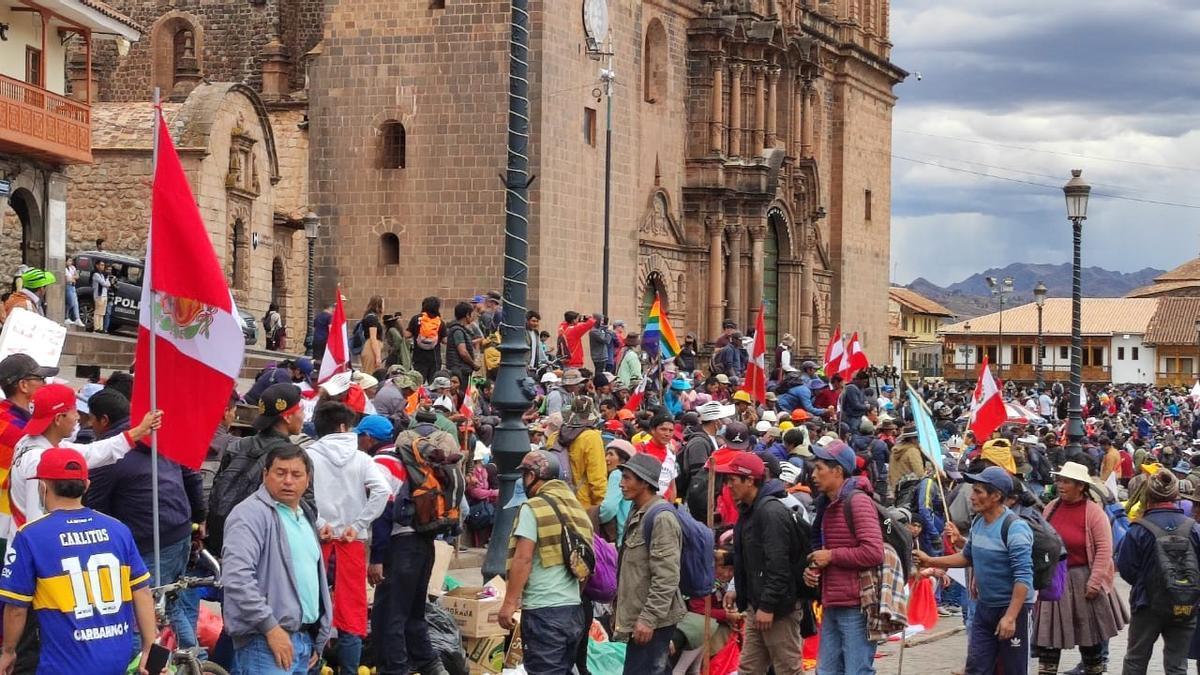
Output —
(1045, 405)
(53, 424)
(351, 492)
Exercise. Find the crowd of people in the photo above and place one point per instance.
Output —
(659, 500)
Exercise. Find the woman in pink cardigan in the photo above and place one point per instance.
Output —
(1089, 611)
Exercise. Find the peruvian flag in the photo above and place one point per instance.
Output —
(337, 349)
(635, 399)
(188, 313)
(987, 405)
(835, 353)
(756, 370)
(467, 409)
(855, 359)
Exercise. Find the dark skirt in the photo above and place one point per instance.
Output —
(1073, 620)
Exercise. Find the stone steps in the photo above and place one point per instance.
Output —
(84, 352)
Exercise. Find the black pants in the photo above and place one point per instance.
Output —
(401, 636)
(1144, 629)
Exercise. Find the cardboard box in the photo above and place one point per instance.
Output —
(485, 654)
(516, 649)
(476, 616)
(443, 553)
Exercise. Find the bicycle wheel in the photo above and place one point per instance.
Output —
(192, 667)
(212, 669)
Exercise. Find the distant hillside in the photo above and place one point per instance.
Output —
(971, 296)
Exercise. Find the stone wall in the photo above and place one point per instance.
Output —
(110, 199)
(443, 74)
(291, 146)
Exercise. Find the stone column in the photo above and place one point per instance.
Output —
(758, 235)
(716, 263)
(733, 285)
(275, 73)
(806, 115)
(772, 105)
(735, 108)
(760, 109)
(716, 132)
(806, 295)
(797, 130)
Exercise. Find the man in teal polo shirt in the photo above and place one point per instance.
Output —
(277, 605)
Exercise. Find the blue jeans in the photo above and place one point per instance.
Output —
(845, 649)
(185, 610)
(256, 658)
(652, 658)
(108, 311)
(72, 303)
(988, 654)
(348, 648)
(551, 636)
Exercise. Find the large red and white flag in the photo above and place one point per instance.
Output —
(188, 313)
(756, 369)
(987, 405)
(855, 359)
(835, 353)
(337, 348)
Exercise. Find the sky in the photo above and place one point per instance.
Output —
(1027, 90)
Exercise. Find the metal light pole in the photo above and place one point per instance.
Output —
(966, 350)
(514, 390)
(1000, 289)
(1039, 297)
(607, 76)
(311, 222)
(1076, 192)
(1196, 371)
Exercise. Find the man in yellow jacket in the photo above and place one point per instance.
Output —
(585, 452)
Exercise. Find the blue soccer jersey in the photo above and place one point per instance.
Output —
(78, 570)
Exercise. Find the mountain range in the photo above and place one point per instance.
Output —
(972, 297)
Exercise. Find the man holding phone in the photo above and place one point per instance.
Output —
(81, 573)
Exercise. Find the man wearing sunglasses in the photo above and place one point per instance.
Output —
(20, 377)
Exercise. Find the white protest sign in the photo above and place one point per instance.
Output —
(27, 332)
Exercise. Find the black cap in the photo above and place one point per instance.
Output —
(17, 367)
(276, 400)
(737, 436)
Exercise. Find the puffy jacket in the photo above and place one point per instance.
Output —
(585, 448)
(799, 397)
(853, 550)
(1136, 558)
(763, 551)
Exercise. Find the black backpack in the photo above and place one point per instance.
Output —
(1173, 585)
(895, 533)
(1048, 547)
(358, 338)
(238, 477)
(906, 494)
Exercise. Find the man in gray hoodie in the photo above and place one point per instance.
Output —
(351, 492)
(277, 606)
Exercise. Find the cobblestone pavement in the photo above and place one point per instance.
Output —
(945, 652)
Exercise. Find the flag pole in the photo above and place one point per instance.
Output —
(937, 470)
(153, 337)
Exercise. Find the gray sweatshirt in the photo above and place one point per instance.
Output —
(257, 576)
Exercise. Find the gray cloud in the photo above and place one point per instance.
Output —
(1035, 84)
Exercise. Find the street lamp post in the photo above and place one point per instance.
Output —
(1039, 297)
(966, 348)
(311, 223)
(1000, 289)
(514, 390)
(1196, 370)
(1076, 192)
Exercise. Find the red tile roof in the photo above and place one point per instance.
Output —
(1175, 322)
(917, 302)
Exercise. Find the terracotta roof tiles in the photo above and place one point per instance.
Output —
(1101, 316)
(1175, 322)
(917, 302)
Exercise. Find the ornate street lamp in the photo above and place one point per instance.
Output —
(311, 223)
(1076, 192)
(1000, 289)
(1039, 297)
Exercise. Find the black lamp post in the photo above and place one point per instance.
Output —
(311, 223)
(1076, 192)
(514, 389)
(1000, 289)
(1196, 371)
(1039, 297)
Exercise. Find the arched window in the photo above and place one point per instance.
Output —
(394, 148)
(389, 249)
(655, 57)
(175, 43)
(237, 254)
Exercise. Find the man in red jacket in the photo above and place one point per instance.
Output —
(570, 337)
(846, 549)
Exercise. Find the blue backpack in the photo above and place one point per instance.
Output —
(697, 565)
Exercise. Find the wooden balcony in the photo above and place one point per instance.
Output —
(1024, 373)
(43, 125)
(1162, 379)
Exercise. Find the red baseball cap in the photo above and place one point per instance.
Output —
(744, 464)
(62, 464)
(49, 402)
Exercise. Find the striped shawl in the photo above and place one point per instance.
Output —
(549, 529)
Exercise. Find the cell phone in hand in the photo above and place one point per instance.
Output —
(156, 662)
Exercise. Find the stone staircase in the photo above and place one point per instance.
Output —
(84, 352)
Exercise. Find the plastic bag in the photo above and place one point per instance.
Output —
(606, 658)
(446, 640)
(725, 661)
(922, 606)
